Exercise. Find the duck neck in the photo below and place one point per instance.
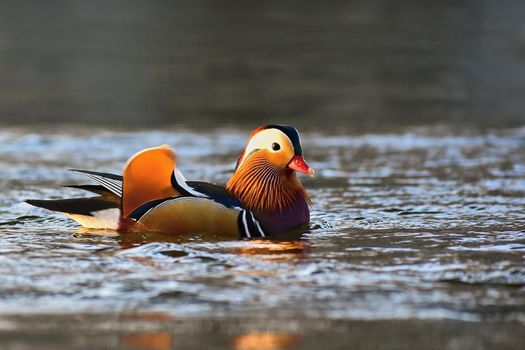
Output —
(265, 189)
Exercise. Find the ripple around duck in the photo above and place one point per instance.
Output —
(403, 226)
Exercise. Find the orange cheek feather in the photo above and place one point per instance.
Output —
(279, 159)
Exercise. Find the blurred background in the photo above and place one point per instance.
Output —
(360, 65)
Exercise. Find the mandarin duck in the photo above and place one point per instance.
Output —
(263, 196)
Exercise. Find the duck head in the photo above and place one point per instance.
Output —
(265, 177)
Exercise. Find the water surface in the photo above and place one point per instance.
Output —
(417, 240)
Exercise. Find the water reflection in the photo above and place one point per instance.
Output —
(266, 341)
(136, 239)
(273, 250)
(145, 340)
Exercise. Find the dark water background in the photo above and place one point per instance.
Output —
(364, 64)
(410, 111)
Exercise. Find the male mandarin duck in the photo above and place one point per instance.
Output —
(262, 197)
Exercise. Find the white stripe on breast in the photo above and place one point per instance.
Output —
(258, 226)
(245, 224)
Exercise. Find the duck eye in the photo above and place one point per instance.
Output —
(276, 146)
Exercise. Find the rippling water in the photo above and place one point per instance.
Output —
(417, 239)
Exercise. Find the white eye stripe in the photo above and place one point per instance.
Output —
(264, 140)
